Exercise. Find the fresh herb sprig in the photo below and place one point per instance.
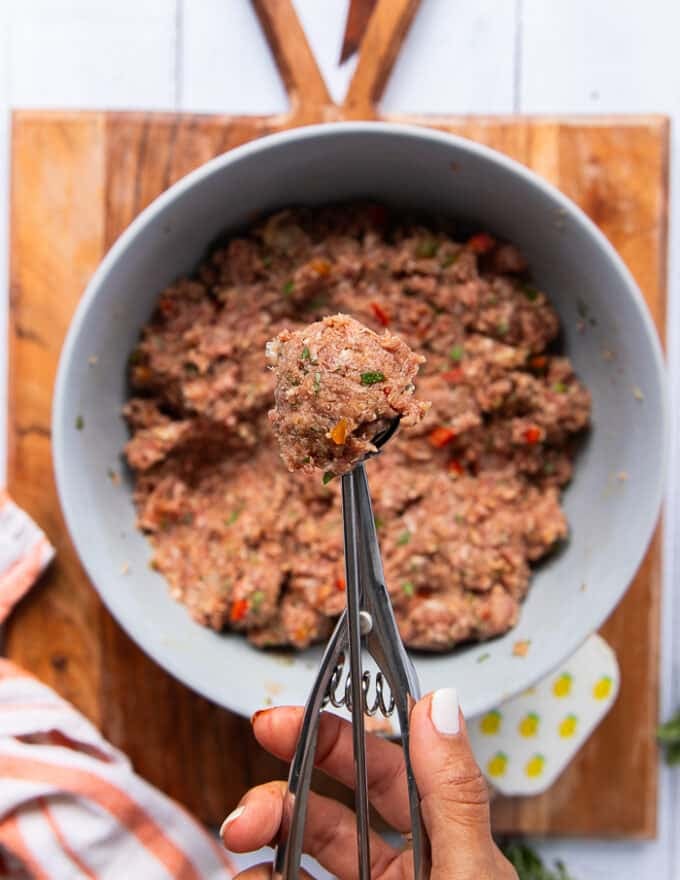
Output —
(529, 865)
(668, 735)
(372, 377)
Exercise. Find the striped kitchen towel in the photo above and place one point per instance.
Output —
(71, 805)
(24, 553)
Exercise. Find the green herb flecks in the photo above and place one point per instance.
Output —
(233, 516)
(317, 383)
(288, 288)
(449, 260)
(404, 538)
(256, 600)
(379, 522)
(267, 260)
(549, 468)
(327, 477)
(560, 388)
(408, 588)
(668, 735)
(502, 328)
(427, 249)
(483, 657)
(372, 377)
(456, 353)
(529, 865)
(305, 356)
(80, 423)
(530, 292)
(459, 518)
(191, 368)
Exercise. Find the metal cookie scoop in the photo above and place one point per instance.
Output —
(368, 621)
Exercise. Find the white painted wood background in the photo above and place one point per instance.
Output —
(486, 56)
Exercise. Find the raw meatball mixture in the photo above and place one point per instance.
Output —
(338, 386)
(466, 500)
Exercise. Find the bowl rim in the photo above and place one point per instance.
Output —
(134, 628)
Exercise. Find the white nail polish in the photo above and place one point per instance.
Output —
(232, 817)
(444, 711)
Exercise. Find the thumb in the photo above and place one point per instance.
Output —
(453, 792)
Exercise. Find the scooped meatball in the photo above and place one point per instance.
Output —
(338, 386)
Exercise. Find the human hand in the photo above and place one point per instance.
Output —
(454, 797)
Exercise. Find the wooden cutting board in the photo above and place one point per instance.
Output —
(78, 179)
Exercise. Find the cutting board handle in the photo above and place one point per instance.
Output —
(302, 78)
(292, 55)
(387, 29)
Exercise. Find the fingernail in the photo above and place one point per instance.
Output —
(232, 817)
(256, 715)
(444, 711)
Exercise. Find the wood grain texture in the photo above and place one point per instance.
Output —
(77, 182)
(618, 173)
(380, 46)
(57, 242)
(358, 16)
(297, 65)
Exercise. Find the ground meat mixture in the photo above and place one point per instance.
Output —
(466, 500)
(338, 386)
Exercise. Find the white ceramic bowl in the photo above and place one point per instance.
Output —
(611, 520)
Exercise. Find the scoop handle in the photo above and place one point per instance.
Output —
(291, 833)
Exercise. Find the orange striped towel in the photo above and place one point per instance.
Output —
(71, 805)
(24, 553)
